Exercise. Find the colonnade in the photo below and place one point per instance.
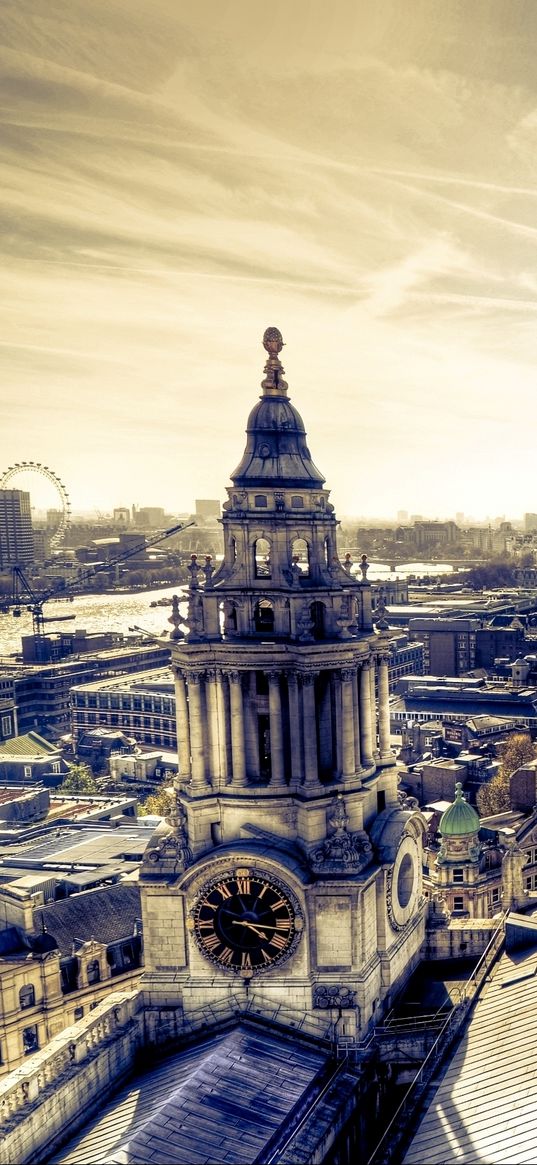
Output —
(322, 725)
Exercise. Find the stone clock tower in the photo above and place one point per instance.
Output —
(290, 871)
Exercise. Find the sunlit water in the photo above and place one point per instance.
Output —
(118, 612)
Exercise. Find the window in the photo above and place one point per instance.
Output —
(27, 770)
(78, 1013)
(27, 996)
(458, 876)
(262, 558)
(6, 725)
(260, 501)
(93, 971)
(297, 502)
(30, 1040)
(458, 902)
(264, 616)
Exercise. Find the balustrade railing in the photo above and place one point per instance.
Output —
(64, 1053)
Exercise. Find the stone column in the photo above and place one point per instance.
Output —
(183, 733)
(297, 767)
(326, 744)
(338, 721)
(212, 725)
(238, 759)
(384, 708)
(195, 708)
(372, 688)
(366, 720)
(277, 768)
(309, 722)
(223, 752)
(251, 733)
(347, 710)
(356, 711)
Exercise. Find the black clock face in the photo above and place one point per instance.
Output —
(244, 922)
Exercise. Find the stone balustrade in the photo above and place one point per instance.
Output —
(61, 1076)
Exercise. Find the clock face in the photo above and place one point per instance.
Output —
(245, 922)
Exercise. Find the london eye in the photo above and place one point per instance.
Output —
(64, 508)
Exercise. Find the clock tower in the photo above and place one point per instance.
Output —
(290, 871)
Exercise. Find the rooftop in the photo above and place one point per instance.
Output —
(220, 1101)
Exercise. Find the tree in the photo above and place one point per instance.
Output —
(161, 803)
(494, 796)
(79, 779)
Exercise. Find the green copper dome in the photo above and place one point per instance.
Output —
(460, 819)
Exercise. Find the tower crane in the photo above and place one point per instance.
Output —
(22, 585)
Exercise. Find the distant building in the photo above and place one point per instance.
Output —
(122, 516)
(58, 961)
(449, 645)
(151, 517)
(8, 720)
(530, 523)
(16, 533)
(142, 706)
(208, 508)
(41, 691)
(30, 758)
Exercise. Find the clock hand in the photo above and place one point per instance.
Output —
(250, 925)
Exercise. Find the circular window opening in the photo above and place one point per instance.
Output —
(405, 881)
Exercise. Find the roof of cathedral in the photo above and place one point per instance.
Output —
(276, 451)
(460, 819)
(484, 1107)
(224, 1100)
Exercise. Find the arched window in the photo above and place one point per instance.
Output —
(93, 971)
(300, 556)
(317, 612)
(327, 550)
(27, 996)
(260, 501)
(297, 502)
(233, 549)
(264, 616)
(230, 617)
(262, 558)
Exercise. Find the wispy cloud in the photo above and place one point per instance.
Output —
(173, 180)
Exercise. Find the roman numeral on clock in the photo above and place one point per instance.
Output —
(212, 942)
(278, 941)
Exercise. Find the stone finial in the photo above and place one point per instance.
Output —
(347, 563)
(379, 614)
(176, 619)
(273, 383)
(193, 570)
(364, 567)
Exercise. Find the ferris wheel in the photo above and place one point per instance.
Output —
(64, 509)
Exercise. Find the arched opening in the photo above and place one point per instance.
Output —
(262, 564)
(327, 550)
(233, 549)
(27, 996)
(317, 612)
(300, 556)
(230, 617)
(264, 617)
(93, 971)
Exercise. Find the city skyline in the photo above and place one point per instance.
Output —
(177, 181)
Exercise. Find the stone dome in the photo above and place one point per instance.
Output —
(460, 819)
(276, 450)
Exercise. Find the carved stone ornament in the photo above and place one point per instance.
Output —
(304, 624)
(176, 619)
(341, 851)
(333, 995)
(172, 852)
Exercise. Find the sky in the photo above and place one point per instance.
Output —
(177, 177)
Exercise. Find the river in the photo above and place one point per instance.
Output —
(118, 612)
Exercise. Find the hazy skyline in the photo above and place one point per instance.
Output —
(363, 177)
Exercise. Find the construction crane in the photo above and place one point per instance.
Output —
(22, 585)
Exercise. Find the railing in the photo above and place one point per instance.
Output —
(64, 1053)
(256, 1006)
(390, 1138)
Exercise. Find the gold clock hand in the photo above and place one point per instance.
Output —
(250, 925)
